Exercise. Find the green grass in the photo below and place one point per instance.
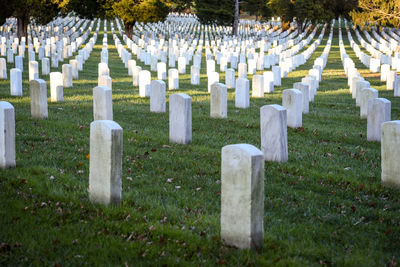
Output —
(325, 206)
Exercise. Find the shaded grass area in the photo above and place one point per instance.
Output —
(325, 206)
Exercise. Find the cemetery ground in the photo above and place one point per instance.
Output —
(326, 205)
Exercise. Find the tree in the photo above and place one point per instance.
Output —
(377, 13)
(132, 11)
(26, 11)
(219, 12)
(257, 8)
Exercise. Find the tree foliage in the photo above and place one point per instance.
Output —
(310, 10)
(40, 11)
(257, 8)
(377, 13)
(132, 11)
(219, 12)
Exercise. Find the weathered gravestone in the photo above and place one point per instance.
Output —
(7, 135)
(242, 196)
(273, 123)
(105, 168)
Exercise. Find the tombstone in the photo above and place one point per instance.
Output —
(105, 80)
(157, 96)
(79, 58)
(74, 68)
(105, 167)
(303, 87)
(242, 99)
(56, 87)
(292, 100)
(38, 95)
(378, 113)
(10, 56)
(374, 65)
(213, 77)
(252, 66)
(103, 69)
(194, 75)
(102, 103)
(180, 118)
(218, 101)
(144, 83)
(161, 71)
(258, 86)
(360, 85)
(390, 154)
(273, 123)
(173, 79)
(390, 80)
(396, 88)
(54, 60)
(242, 71)
(33, 70)
(45, 66)
(210, 66)
(385, 68)
(131, 65)
(3, 68)
(268, 82)
(15, 82)
(7, 135)
(135, 75)
(19, 63)
(242, 196)
(311, 81)
(230, 78)
(182, 65)
(67, 75)
(353, 86)
(277, 75)
(366, 94)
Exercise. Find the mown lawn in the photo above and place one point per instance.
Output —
(325, 206)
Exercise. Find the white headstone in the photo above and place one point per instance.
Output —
(292, 100)
(230, 78)
(173, 79)
(38, 94)
(102, 103)
(273, 123)
(390, 153)
(157, 96)
(366, 95)
(16, 82)
(7, 135)
(105, 168)
(242, 196)
(180, 118)
(194, 75)
(258, 86)
(242, 99)
(67, 75)
(56, 87)
(378, 113)
(304, 89)
(218, 101)
(144, 83)
(213, 77)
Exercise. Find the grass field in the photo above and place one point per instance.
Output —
(325, 206)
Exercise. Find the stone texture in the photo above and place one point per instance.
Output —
(230, 78)
(102, 103)
(268, 82)
(7, 135)
(304, 89)
(144, 83)
(194, 75)
(180, 118)
(218, 101)
(242, 196)
(67, 75)
(38, 94)
(258, 86)
(173, 79)
(242, 99)
(56, 87)
(360, 85)
(157, 96)
(390, 153)
(277, 75)
(366, 95)
(15, 82)
(213, 77)
(292, 100)
(378, 113)
(105, 168)
(33, 70)
(273, 123)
